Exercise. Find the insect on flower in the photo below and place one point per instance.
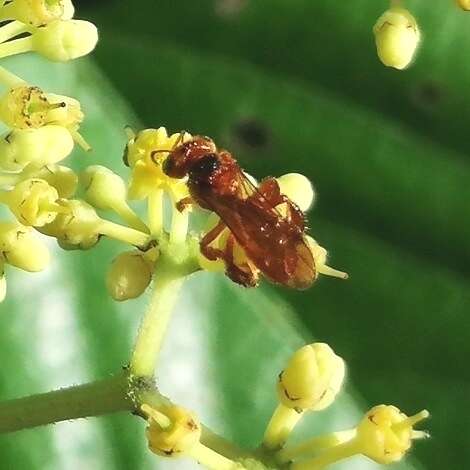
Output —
(273, 239)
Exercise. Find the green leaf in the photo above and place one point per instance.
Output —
(221, 358)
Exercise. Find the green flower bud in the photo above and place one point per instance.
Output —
(298, 189)
(48, 144)
(312, 378)
(103, 188)
(63, 40)
(62, 178)
(397, 37)
(129, 275)
(78, 227)
(33, 201)
(20, 248)
(37, 12)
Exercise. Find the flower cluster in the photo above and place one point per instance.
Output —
(397, 34)
(178, 172)
(40, 193)
(310, 382)
(42, 129)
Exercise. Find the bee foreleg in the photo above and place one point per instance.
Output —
(208, 251)
(182, 204)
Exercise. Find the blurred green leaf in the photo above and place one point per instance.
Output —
(392, 197)
(224, 350)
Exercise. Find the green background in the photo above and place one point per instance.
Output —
(287, 86)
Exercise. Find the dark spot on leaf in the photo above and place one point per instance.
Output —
(428, 95)
(251, 133)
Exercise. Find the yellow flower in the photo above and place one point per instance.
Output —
(37, 12)
(385, 434)
(145, 154)
(172, 430)
(33, 201)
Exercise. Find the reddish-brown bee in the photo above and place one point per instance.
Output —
(274, 243)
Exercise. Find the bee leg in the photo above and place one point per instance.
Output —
(209, 252)
(246, 277)
(182, 204)
(295, 215)
(269, 188)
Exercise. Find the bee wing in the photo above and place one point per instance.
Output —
(257, 226)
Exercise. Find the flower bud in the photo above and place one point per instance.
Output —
(312, 378)
(63, 40)
(172, 430)
(20, 248)
(320, 257)
(298, 189)
(62, 178)
(397, 37)
(48, 144)
(37, 12)
(129, 275)
(77, 228)
(385, 433)
(464, 4)
(103, 188)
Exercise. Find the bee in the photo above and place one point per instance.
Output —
(265, 223)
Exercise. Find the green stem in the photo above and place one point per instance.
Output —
(155, 212)
(280, 426)
(124, 234)
(11, 30)
(8, 179)
(315, 444)
(92, 399)
(17, 46)
(329, 457)
(167, 284)
(10, 80)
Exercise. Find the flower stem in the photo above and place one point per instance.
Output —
(124, 234)
(130, 217)
(8, 179)
(168, 281)
(11, 30)
(179, 226)
(92, 399)
(315, 444)
(17, 46)
(155, 212)
(10, 80)
(280, 426)
(211, 459)
(328, 457)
